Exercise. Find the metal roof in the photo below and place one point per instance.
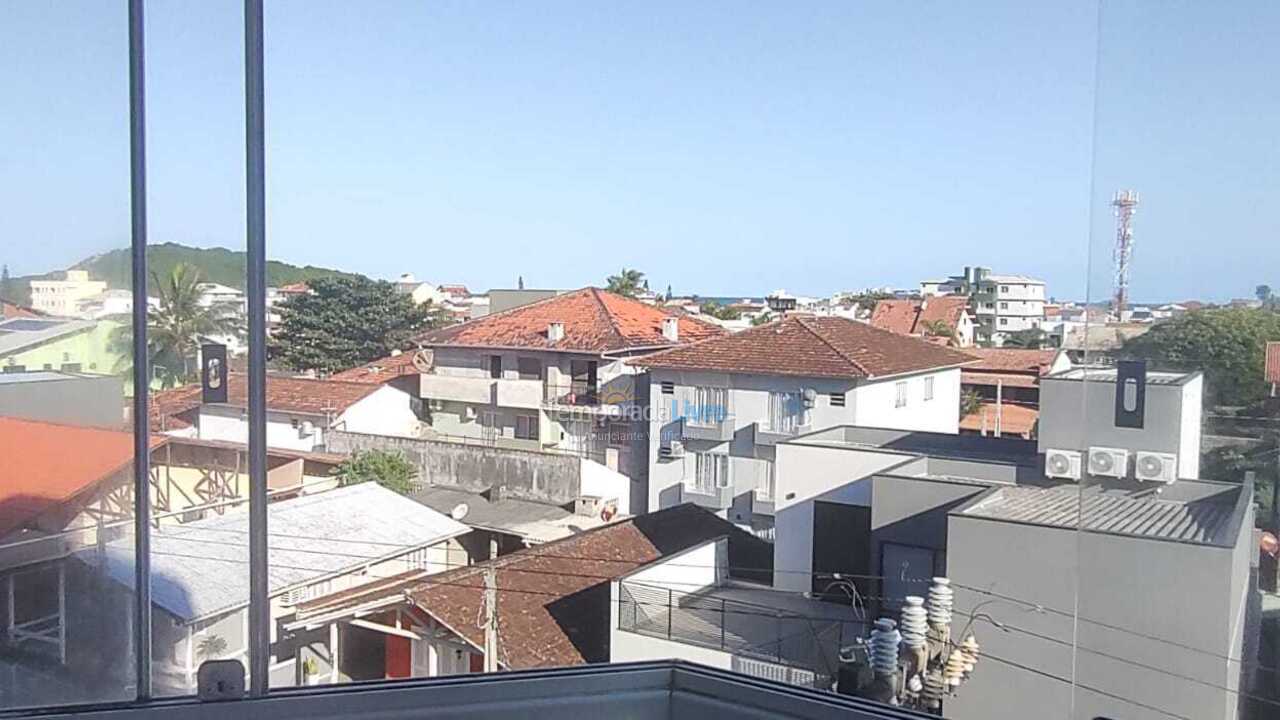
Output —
(201, 568)
(1104, 374)
(534, 521)
(1206, 521)
(34, 376)
(19, 333)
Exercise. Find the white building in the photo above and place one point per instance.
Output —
(1001, 304)
(421, 292)
(719, 408)
(63, 297)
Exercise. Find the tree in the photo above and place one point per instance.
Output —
(389, 468)
(176, 327)
(1227, 344)
(627, 282)
(940, 328)
(761, 319)
(970, 402)
(211, 647)
(723, 312)
(1265, 296)
(1029, 339)
(6, 291)
(345, 322)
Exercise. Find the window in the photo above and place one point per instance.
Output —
(70, 367)
(765, 481)
(837, 399)
(711, 471)
(1004, 288)
(668, 387)
(900, 394)
(1004, 321)
(15, 368)
(1004, 306)
(530, 368)
(495, 366)
(786, 412)
(527, 427)
(928, 388)
(710, 406)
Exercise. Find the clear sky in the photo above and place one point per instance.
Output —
(724, 148)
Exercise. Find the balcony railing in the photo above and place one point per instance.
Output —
(574, 393)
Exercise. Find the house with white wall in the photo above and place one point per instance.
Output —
(1001, 304)
(552, 375)
(719, 407)
(301, 410)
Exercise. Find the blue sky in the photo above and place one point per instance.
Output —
(723, 148)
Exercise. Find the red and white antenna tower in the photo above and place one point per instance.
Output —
(1125, 203)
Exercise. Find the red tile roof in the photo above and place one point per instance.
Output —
(535, 628)
(171, 409)
(809, 346)
(384, 369)
(454, 290)
(1273, 362)
(995, 378)
(48, 464)
(10, 310)
(1012, 360)
(1014, 419)
(594, 321)
(913, 317)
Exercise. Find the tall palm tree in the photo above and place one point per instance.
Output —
(176, 326)
(628, 282)
(1029, 339)
(940, 328)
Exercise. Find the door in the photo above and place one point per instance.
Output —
(841, 544)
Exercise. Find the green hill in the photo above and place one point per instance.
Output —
(218, 265)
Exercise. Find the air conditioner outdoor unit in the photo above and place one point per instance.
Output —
(1156, 467)
(673, 449)
(1108, 462)
(1063, 464)
(810, 397)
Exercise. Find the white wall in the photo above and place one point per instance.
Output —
(384, 412)
(702, 566)
(810, 473)
(226, 423)
(875, 403)
(608, 484)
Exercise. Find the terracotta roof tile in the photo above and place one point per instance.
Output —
(10, 310)
(1273, 362)
(535, 625)
(809, 346)
(1012, 360)
(47, 464)
(1022, 380)
(913, 317)
(383, 369)
(594, 321)
(171, 409)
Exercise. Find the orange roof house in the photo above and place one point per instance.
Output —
(925, 317)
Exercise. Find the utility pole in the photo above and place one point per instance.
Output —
(490, 619)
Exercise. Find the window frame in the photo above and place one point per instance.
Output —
(900, 393)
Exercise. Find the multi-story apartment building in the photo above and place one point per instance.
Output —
(719, 407)
(1001, 304)
(552, 374)
(62, 297)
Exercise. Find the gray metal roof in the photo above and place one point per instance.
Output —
(201, 568)
(1208, 521)
(34, 376)
(537, 522)
(20, 333)
(1098, 374)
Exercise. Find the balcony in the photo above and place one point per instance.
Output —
(581, 396)
(666, 690)
(481, 390)
(763, 434)
(712, 429)
(717, 498)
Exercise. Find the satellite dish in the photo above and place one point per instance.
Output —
(459, 511)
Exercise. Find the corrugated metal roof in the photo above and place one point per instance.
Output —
(1203, 521)
(201, 568)
(536, 522)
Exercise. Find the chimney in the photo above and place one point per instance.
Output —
(671, 328)
(555, 332)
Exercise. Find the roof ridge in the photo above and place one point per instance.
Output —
(501, 313)
(613, 323)
(859, 366)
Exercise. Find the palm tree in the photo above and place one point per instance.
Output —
(940, 328)
(970, 403)
(1029, 339)
(627, 282)
(177, 325)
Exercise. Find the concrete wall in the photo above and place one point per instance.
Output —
(876, 403)
(386, 411)
(1077, 415)
(94, 400)
(596, 479)
(809, 473)
(1188, 594)
(544, 477)
(699, 567)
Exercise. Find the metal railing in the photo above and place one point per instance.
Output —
(574, 393)
(765, 642)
